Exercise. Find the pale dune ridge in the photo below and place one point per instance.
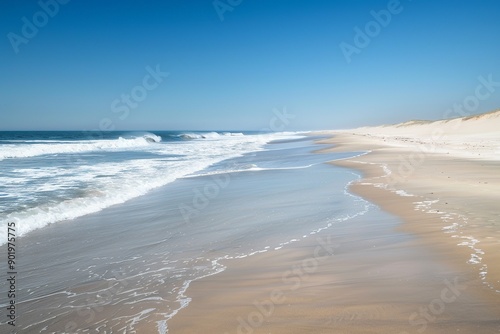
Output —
(475, 137)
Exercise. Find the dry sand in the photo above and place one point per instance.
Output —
(442, 179)
(449, 169)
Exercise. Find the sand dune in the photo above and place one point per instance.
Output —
(476, 137)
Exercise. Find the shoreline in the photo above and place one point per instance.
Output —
(435, 201)
(352, 241)
(340, 294)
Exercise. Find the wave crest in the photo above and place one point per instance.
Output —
(31, 149)
(208, 135)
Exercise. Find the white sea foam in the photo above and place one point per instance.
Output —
(108, 181)
(26, 150)
(103, 184)
(209, 135)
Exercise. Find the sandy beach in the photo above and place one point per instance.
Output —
(250, 167)
(436, 272)
(446, 169)
(390, 229)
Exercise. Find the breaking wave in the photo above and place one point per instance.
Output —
(32, 149)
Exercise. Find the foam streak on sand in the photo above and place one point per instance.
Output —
(450, 167)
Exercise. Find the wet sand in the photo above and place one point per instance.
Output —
(375, 280)
(427, 262)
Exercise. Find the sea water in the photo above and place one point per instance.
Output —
(114, 229)
(47, 177)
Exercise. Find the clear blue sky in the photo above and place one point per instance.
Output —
(232, 73)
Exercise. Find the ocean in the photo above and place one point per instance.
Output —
(113, 227)
(47, 177)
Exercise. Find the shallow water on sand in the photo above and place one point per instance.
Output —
(131, 263)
